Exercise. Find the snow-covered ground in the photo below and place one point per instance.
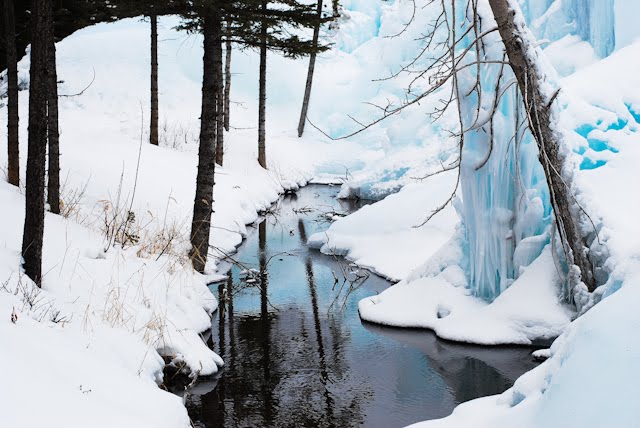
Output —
(88, 346)
(590, 379)
(598, 354)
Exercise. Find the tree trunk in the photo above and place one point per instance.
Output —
(262, 99)
(53, 184)
(219, 104)
(520, 52)
(336, 7)
(37, 145)
(202, 207)
(153, 132)
(13, 148)
(227, 86)
(312, 66)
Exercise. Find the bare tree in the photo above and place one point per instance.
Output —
(312, 66)
(153, 131)
(13, 147)
(521, 52)
(37, 144)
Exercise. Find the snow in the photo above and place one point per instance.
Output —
(94, 328)
(108, 310)
(527, 312)
(384, 236)
(481, 271)
(583, 54)
(595, 357)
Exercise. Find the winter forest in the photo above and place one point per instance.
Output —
(319, 213)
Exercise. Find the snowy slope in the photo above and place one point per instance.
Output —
(119, 310)
(383, 236)
(88, 345)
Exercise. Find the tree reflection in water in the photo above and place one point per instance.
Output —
(293, 359)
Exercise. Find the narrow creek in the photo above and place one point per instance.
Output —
(297, 353)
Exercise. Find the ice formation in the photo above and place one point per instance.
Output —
(506, 209)
(505, 203)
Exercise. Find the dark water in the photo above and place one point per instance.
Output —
(297, 354)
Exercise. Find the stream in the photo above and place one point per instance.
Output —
(298, 355)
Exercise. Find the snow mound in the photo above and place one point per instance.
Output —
(384, 236)
(527, 312)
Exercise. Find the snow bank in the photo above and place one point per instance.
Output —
(107, 311)
(86, 347)
(385, 236)
(528, 311)
(597, 356)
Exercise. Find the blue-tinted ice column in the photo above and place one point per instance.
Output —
(506, 210)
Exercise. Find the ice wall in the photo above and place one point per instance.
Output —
(626, 14)
(591, 20)
(506, 209)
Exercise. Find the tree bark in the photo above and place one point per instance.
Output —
(202, 207)
(336, 6)
(262, 98)
(312, 66)
(519, 50)
(227, 86)
(153, 132)
(219, 104)
(13, 147)
(53, 131)
(37, 145)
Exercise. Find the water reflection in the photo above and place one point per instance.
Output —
(295, 359)
(469, 371)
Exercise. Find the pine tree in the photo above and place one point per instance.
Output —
(153, 131)
(203, 204)
(53, 132)
(227, 85)
(13, 147)
(220, 103)
(262, 95)
(312, 66)
(37, 145)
